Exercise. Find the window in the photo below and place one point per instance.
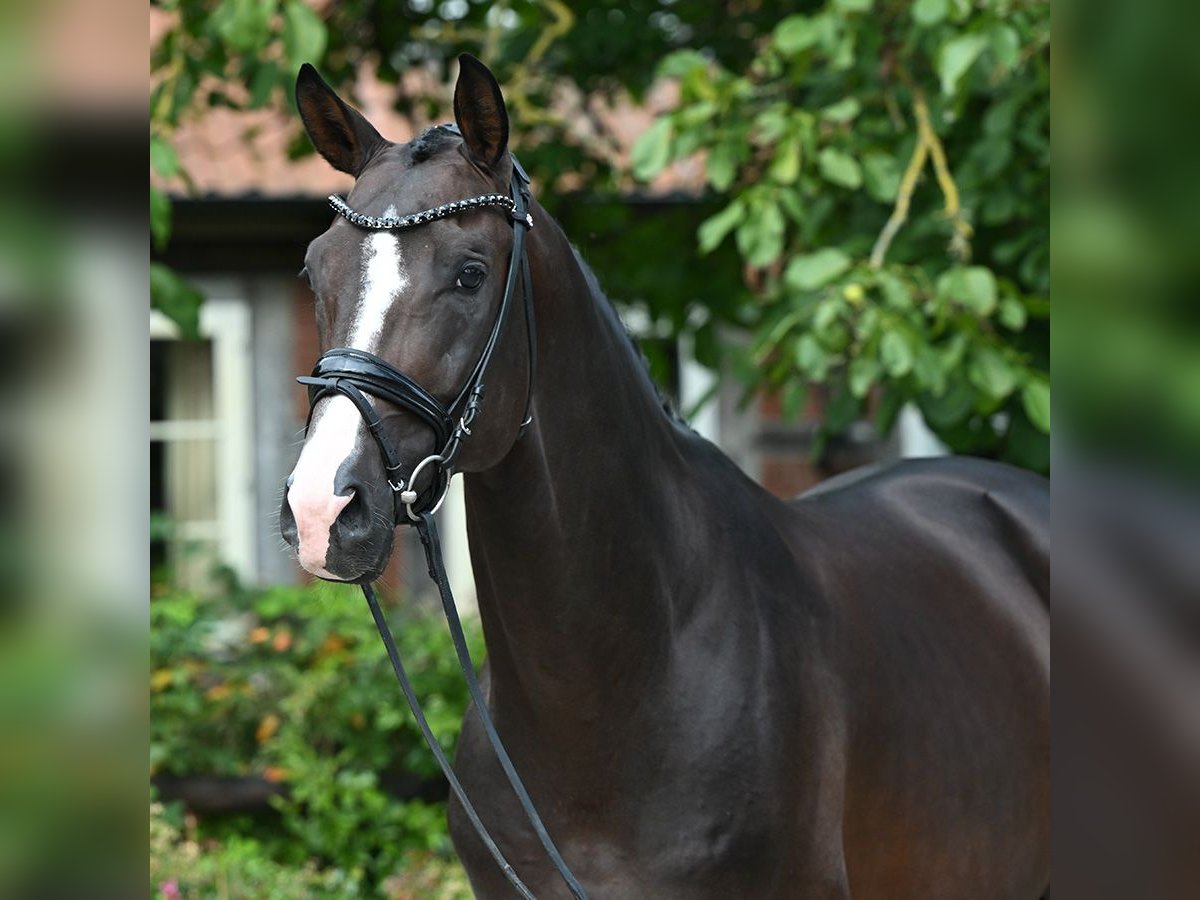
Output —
(201, 481)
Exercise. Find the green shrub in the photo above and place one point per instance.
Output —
(293, 685)
(180, 867)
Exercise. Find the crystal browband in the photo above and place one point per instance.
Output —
(419, 218)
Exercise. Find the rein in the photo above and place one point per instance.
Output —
(356, 374)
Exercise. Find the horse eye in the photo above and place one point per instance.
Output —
(471, 277)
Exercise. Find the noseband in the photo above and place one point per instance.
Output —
(357, 373)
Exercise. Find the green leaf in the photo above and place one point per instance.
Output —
(840, 168)
(785, 167)
(793, 204)
(652, 150)
(176, 299)
(696, 114)
(812, 358)
(1012, 314)
(721, 166)
(263, 82)
(1001, 117)
(992, 156)
(160, 218)
(1006, 46)
(928, 370)
(954, 350)
(1035, 397)
(245, 25)
(881, 175)
(163, 158)
(895, 354)
(843, 111)
(796, 34)
(864, 370)
(814, 270)
(772, 123)
(826, 316)
(760, 238)
(768, 338)
(714, 229)
(956, 58)
(896, 292)
(304, 34)
(989, 371)
(928, 13)
(972, 286)
(680, 63)
(843, 54)
(853, 6)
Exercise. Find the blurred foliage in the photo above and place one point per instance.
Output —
(886, 167)
(184, 864)
(187, 865)
(1127, 349)
(878, 174)
(293, 685)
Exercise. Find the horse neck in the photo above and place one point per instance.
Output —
(570, 533)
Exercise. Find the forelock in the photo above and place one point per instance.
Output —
(430, 142)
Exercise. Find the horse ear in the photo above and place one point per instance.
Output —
(341, 134)
(479, 112)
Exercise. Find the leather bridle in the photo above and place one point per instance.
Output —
(356, 374)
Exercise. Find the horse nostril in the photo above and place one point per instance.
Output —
(354, 521)
(288, 527)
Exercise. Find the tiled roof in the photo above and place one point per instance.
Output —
(232, 154)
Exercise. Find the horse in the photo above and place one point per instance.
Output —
(710, 692)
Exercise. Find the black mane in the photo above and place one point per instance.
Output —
(664, 401)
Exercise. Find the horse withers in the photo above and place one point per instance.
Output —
(709, 692)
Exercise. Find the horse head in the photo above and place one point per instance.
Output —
(423, 295)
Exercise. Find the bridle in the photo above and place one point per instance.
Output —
(356, 374)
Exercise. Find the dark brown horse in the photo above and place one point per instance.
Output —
(708, 691)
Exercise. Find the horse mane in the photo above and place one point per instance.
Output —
(665, 403)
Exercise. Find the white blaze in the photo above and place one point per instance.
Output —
(337, 426)
(383, 278)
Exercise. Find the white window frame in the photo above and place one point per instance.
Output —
(226, 321)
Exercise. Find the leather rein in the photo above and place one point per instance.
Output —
(356, 375)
